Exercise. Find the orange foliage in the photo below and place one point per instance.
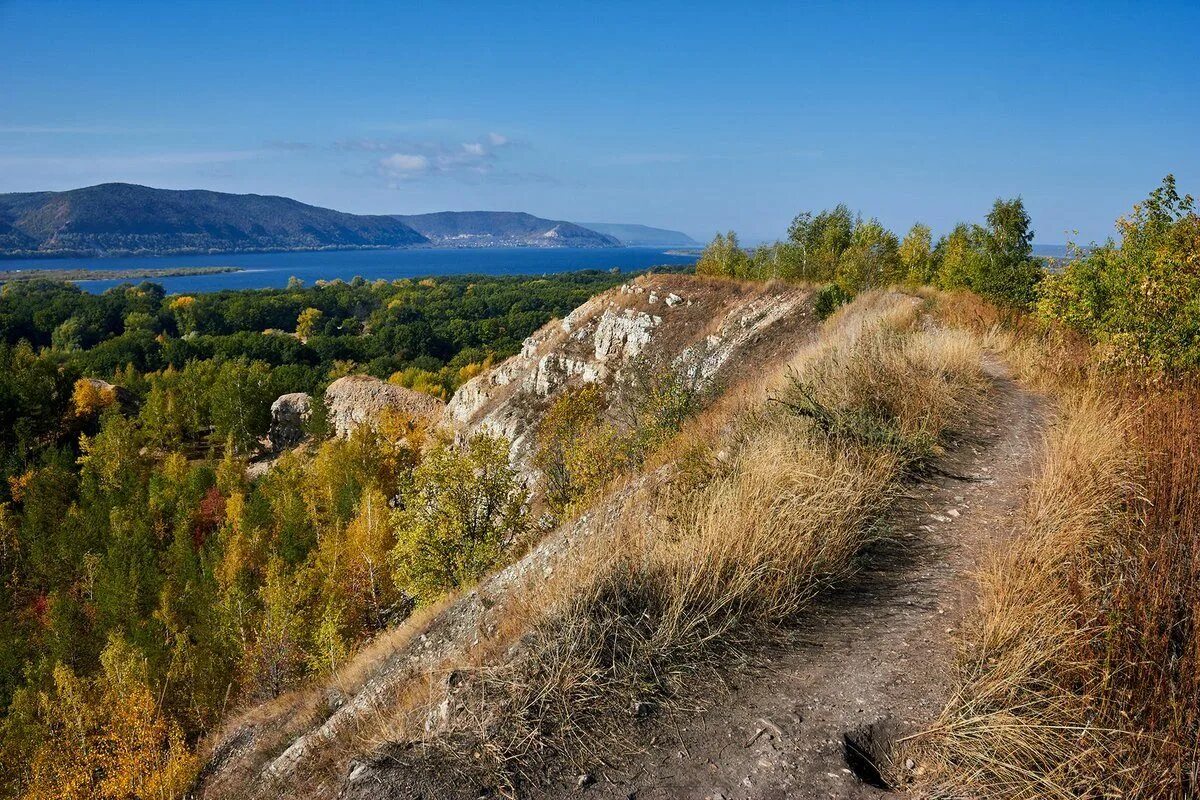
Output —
(90, 397)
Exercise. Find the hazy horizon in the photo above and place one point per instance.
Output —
(679, 116)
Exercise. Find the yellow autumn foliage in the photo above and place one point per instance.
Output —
(106, 739)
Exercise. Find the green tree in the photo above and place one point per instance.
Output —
(183, 308)
(723, 257)
(368, 542)
(465, 507)
(140, 321)
(1008, 272)
(307, 322)
(916, 255)
(959, 257)
(276, 656)
(68, 336)
(240, 403)
(329, 649)
(818, 242)
(871, 260)
(577, 448)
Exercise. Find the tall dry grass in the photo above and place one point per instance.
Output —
(1043, 355)
(1079, 675)
(716, 568)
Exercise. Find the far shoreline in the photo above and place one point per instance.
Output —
(75, 275)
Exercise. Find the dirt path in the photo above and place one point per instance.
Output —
(878, 649)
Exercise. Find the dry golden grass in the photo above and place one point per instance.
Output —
(1079, 673)
(1016, 726)
(717, 566)
(1044, 356)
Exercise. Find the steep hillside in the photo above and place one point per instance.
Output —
(763, 607)
(720, 332)
(115, 218)
(632, 235)
(503, 229)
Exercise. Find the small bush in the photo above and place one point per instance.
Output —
(1140, 300)
(578, 449)
(828, 299)
(592, 434)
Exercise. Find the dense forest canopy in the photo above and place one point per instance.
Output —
(238, 350)
(138, 560)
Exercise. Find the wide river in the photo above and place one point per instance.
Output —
(266, 270)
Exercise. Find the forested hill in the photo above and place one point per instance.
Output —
(632, 235)
(503, 229)
(121, 218)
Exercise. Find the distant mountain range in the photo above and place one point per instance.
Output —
(642, 235)
(502, 229)
(120, 218)
(125, 219)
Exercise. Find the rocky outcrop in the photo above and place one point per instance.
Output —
(111, 392)
(358, 399)
(289, 413)
(708, 327)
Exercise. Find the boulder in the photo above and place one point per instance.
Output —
(288, 414)
(358, 399)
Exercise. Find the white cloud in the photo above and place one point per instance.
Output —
(436, 158)
(365, 145)
(403, 165)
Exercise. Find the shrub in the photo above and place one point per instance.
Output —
(578, 449)
(828, 299)
(1140, 300)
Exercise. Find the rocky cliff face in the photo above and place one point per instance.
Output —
(713, 328)
(356, 399)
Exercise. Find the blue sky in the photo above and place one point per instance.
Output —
(699, 116)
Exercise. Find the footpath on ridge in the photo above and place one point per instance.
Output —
(874, 655)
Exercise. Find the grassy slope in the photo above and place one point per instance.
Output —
(756, 522)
